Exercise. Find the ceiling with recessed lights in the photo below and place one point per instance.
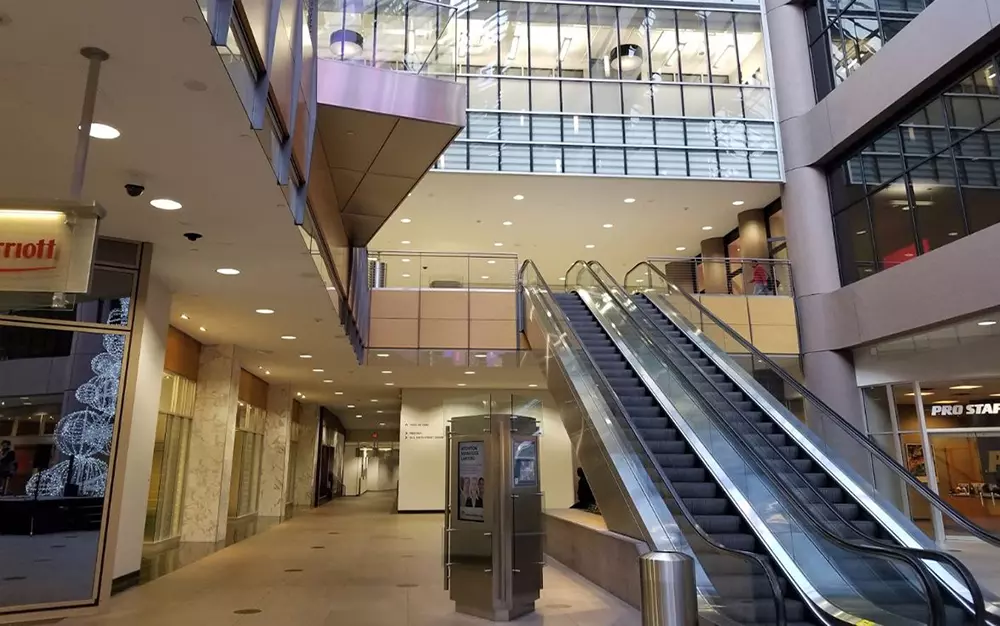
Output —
(556, 220)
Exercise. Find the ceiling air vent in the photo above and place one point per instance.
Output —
(446, 284)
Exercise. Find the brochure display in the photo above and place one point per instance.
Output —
(493, 538)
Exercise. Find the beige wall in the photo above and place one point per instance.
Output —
(443, 318)
(768, 322)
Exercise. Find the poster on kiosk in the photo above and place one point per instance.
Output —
(471, 480)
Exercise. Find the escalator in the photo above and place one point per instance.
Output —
(702, 496)
(737, 481)
(796, 455)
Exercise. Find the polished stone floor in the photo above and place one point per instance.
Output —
(348, 563)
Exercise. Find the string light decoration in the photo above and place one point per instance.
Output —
(84, 435)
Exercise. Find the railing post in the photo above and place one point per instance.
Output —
(666, 582)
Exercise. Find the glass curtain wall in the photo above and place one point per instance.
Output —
(933, 178)
(173, 431)
(617, 90)
(844, 34)
(582, 89)
(247, 450)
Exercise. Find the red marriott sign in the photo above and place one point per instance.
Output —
(42, 252)
(47, 246)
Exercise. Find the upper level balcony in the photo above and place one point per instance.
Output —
(570, 88)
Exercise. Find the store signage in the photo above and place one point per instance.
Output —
(47, 246)
(984, 408)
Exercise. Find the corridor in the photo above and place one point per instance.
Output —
(349, 563)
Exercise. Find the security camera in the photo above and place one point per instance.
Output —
(193, 236)
(133, 189)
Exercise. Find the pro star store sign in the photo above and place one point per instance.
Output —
(47, 246)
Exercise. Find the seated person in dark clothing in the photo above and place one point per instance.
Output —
(584, 496)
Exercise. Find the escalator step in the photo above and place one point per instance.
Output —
(685, 474)
(675, 460)
(695, 490)
(669, 446)
(706, 506)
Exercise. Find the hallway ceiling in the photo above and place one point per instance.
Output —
(559, 216)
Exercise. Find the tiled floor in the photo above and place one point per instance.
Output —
(349, 563)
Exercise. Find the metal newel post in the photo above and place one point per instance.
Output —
(666, 580)
(96, 56)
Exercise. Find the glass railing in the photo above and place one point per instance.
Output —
(843, 579)
(728, 580)
(416, 36)
(869, 475)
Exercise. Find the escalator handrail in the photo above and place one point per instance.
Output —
(607, 391)
(973, 528)
(936, 603)
(978, 602)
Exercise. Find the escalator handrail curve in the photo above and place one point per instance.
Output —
(767, 568)
(936, 603)
(911, 481)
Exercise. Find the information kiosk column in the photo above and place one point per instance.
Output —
(493, 544)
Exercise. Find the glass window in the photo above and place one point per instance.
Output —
(574, 43)
(54, 459)
(603, 42)
(693, 64)
(514, 48)
(891, 219)
(751, 49)
(722, 48)
(166, 485)
(854, 243)
(664, 52)
(545, 43)
(937, 202)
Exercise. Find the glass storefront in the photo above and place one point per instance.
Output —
(166, 485)
(960, 422)
(61, 375)
(931, 179)
(247, 450)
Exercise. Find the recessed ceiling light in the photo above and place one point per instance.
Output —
(532, 385)
(201, 328)
(357, 416)
(103, 131)
(379, 411)
(350, 406)
(165, 204)
(288, 337)
(640, 280)
(184, 316)
(374, 400)
(862, 232)
(923, 393)
(405, 242)
(389, 384)
(491, 262)
(382, 355)
(680, 248)
(267, 372)
(609, 226)
(386, 371)
(995, 395)
(406, 220)
(328, 380)
(227, 271)
(953, 234)
(563, 278)
(406, 275)
(629, 200)
(986, 323)
(508, 223)
(484, 277)
(461, 384)
(498, 244)
(738, 203)
(381, 423)
(265, 311)
(406, 260)
(946, 402)
(480, 356)
(519, 197)
(706, 228)
(589, 246)
(338, 393)
(965, 387)
(469, 373)
(318, 370)
(305, 356)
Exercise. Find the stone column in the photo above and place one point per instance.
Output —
(805, 204)
(305, 456)
(753, 243)
(713, 267)
(275, 457)
(210, 451)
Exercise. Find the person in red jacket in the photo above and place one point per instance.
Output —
(761, 281)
